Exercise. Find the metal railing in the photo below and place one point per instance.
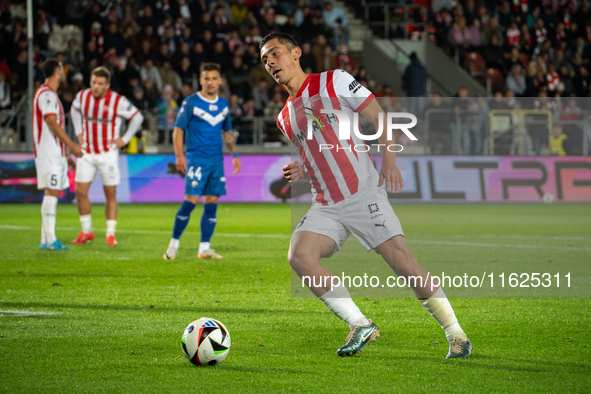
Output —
(258, 131)
(464, 132)
(512, 135)
(519, 126)
(457, 122)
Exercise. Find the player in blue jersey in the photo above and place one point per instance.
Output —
(204, 121)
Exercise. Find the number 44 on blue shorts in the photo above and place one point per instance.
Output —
(205, 179)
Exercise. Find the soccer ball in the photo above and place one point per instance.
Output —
(548, 198)
(206, 342)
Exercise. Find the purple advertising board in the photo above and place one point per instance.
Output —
(153, 179)
(493, 178)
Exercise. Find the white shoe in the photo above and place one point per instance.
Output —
(170, 253)
(459, 348)
(209, 254)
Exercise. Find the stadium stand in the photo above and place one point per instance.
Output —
(152, 47)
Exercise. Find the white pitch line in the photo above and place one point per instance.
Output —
(498, 245)
(558, 237)
(11, 227)
(487, 245)
(25, 313)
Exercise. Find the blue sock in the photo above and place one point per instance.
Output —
(208, 221)
(182, 219)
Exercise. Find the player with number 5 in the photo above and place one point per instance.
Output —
(51, 156)
(204, 122)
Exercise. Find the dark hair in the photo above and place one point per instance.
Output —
(283, 38)
(102, 71)
(49, 67)
(209, 67)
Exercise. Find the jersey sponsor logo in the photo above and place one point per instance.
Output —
(315, 122)
(314, 117)
(96, 120)
(354, 86)
(298, 138)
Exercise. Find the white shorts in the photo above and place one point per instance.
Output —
(106, 163)
(367, 214)
(52, 173)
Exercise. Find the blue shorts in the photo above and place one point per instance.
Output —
(205, 177)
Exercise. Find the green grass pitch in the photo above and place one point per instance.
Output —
(110, 319)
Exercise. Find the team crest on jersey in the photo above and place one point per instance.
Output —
(213, 107)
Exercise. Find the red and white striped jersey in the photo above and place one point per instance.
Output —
(101, 118)
(46, 102)
(340, 171)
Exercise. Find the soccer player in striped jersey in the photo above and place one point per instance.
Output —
(51, 157)
(97, 114)
(349, 197)
(204, 123)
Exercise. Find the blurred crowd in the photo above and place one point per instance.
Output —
(154, 48)
(538, 49)
(534, 53)
(537, 46)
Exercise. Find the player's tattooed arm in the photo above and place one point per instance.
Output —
(230, 141)
(389, 173)
(228, 136)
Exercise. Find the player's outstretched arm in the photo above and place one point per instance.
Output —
(61, 134)
(230, 141)
(389, 172)
(177, 141)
